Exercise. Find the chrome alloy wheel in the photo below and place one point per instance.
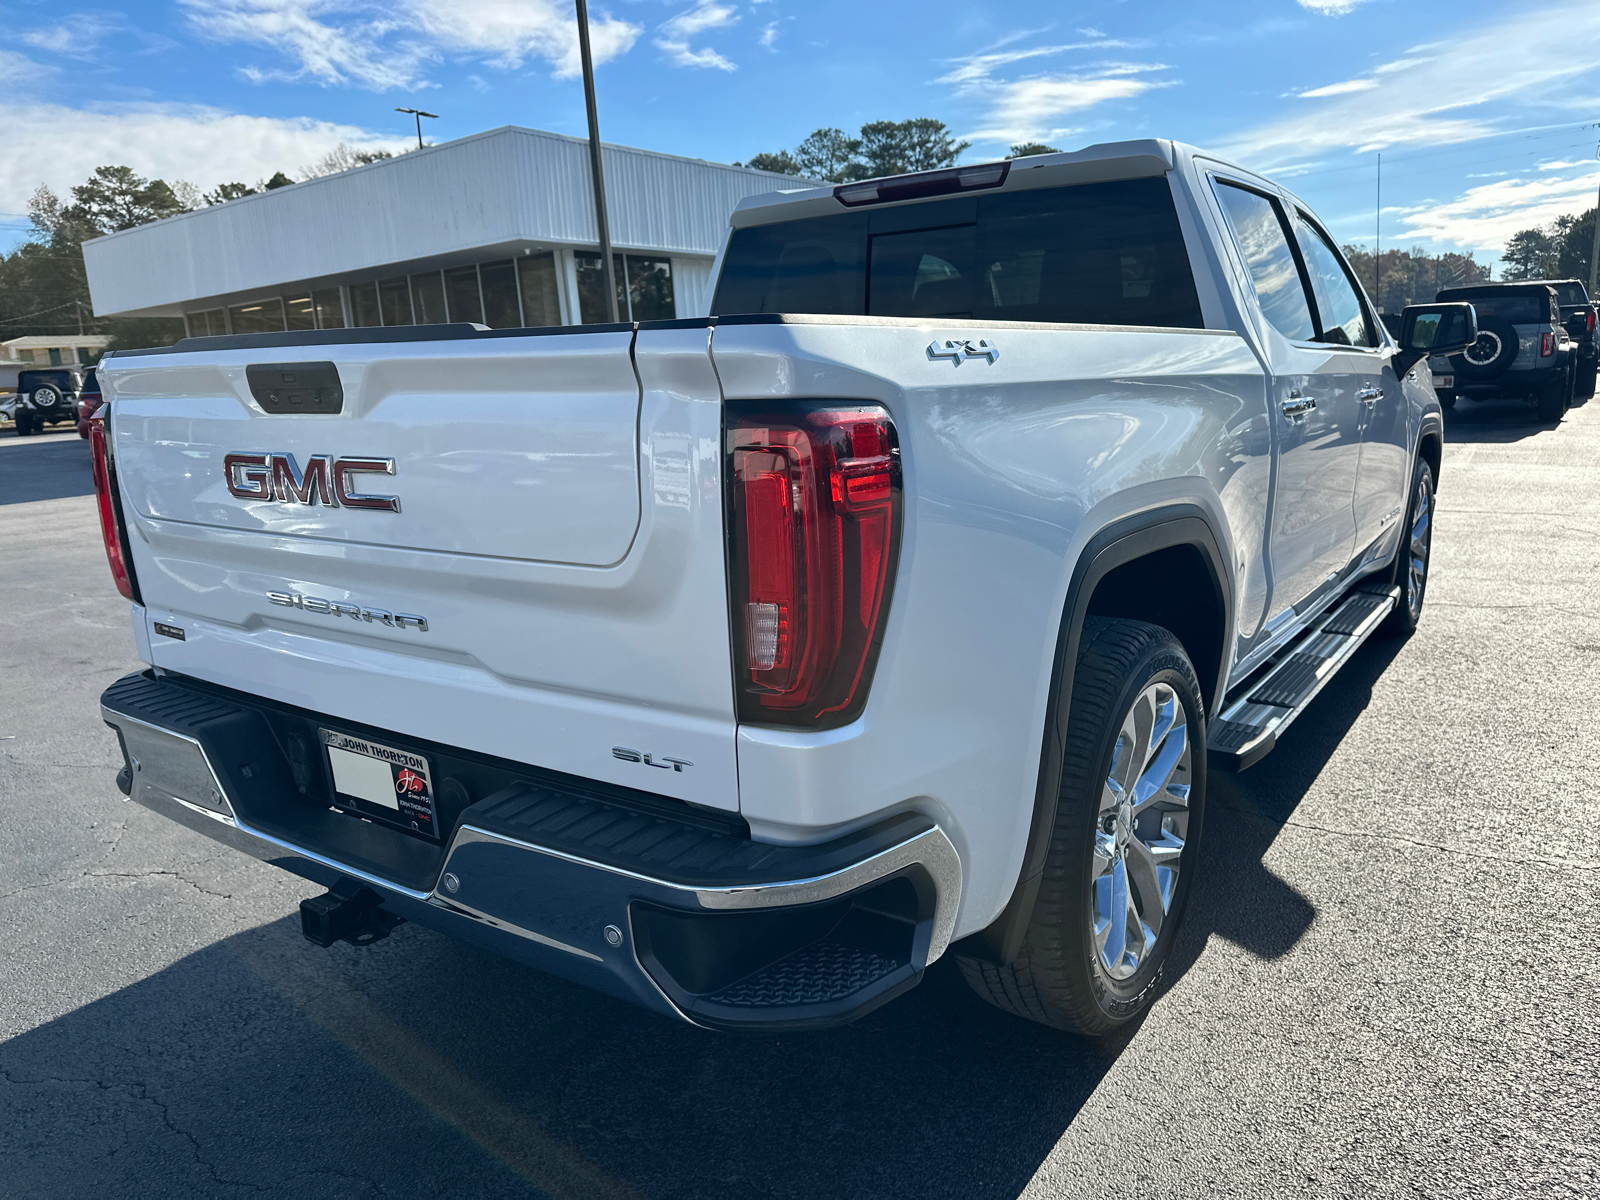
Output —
(45, 397)
(1485, 350)
(1419, 546)
(1140, 831)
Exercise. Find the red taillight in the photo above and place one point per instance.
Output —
(111, 531)
(1547, 346)
(815, 523)
(1589, 320)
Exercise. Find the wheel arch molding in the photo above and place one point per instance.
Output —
(1107, 581)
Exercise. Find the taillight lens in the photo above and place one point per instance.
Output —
(1589, 320)
(111, 527)
(1547, 346)
(814, 498)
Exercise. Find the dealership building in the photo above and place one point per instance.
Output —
(497, 229)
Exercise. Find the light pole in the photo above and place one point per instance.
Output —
(607, 272)
(419, 114)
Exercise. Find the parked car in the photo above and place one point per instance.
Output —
(89, 401)
(741, 667)
(1578, 313)
(1523, 349)
(43, 397)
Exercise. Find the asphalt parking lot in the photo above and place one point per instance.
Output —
(1387, 984)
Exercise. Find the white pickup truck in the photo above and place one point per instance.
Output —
(744, 666)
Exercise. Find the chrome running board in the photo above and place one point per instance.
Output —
(1250, 724)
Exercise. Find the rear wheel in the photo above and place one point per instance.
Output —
(1122, 851)
(1586, 378)
(1415, 554)
(1551, 400)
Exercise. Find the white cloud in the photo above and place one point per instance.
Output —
(1457, 96)
(1331, 8)
(61, 146)
(1339, 89)
(769, 35)
(383, 47)
(1032, 107)
(75, 37)
(1487, 215)
(674, 35)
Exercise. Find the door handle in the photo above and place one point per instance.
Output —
(1296, 406)
(1369, 394)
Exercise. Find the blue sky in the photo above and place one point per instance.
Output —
(1487, 114)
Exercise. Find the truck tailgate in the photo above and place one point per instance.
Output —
(549, 589)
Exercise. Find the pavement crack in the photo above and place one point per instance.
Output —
(178, 875)
(1571, 864)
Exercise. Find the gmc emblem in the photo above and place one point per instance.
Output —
(278, 477)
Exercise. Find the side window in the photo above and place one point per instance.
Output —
(1344, 317)
(1258, 228)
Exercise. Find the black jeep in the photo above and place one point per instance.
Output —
(1523, 349)
(44, 398)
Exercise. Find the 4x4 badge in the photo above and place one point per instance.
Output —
(958, 350)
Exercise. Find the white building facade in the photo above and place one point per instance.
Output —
(497, 229)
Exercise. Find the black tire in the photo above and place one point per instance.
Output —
(1551, 399)
(1061, 978)
(1587, 370)
(24, 424)
(1447, 401)
(1414, 557)
(1492, 354)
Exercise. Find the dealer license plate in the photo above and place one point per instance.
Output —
(1444, 381)
(382, 782)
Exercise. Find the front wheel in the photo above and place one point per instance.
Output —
(24, 423)
(1126, 835)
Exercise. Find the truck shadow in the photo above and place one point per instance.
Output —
(421, 1066)
(1501, 421)
(50, 466)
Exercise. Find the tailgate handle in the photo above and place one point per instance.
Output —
(298, 388)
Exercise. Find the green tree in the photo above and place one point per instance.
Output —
(1531, 254)
(782, 163)
(114, 198)
(224, 192)
(829, 154)
(899, 147)
(1577, 248)
(278, 180)
(1025, 149)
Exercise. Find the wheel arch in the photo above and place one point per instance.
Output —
(1111, 578)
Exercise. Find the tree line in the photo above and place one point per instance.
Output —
(879, 148)
(43, 287)
(1559, 250)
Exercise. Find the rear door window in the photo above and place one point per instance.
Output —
(1104, 253)
(1259, 229)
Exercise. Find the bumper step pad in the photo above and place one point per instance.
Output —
(1249, 725)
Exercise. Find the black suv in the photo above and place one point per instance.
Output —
(1523, 349)
(1578, 313)
(44, 398)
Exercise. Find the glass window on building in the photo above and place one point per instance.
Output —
(394, 301)
(591, 289)
(55, 356)
(330, 313)
(500, 307)
(299, 313)
(364, 305)
(650, 289)
(461, 287)
(644, 289)
(261, 316)
(541, 305)
(427, 298)
(210, 323)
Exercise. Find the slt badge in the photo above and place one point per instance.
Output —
(958, 350)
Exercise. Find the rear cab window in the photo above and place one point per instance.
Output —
(1518, 308)
(1101, 254)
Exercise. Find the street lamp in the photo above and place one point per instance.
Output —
(419, 114)
(607, 270)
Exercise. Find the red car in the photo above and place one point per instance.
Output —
(89, 401)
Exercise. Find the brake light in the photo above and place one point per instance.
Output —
(1547, 345)
(814, 498)
(112, 531)
(1589, 321)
